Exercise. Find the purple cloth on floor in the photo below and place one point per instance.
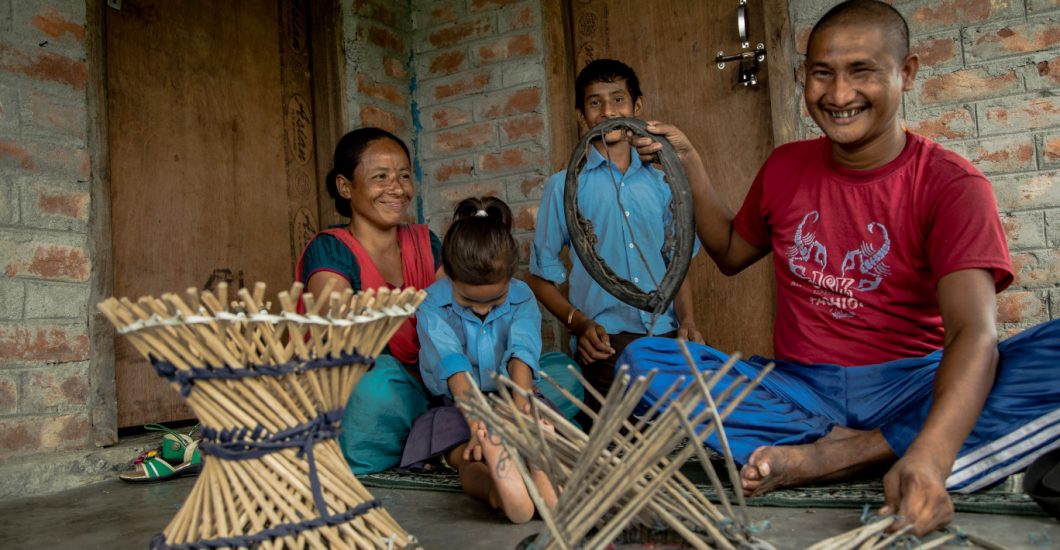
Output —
(433, 433)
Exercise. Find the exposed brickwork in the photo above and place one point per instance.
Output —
(45, 266)
(989, 71)
(484, 128)
(377, 68)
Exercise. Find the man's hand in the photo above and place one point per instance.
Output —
(647, 147)
(593, 342)
(690, 332)
(915, 490)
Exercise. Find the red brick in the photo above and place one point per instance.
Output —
(952, 124)
(1037, 269)
(511, 103)
(508, 48)
(477, 5)
(447, 63)
(70, 204)
(518, 18)
(1024, 191)
(49, 261)
(967, 84)
(512, 159)
(25, 435)
(936, 51)
(529, 187)
(44, 66)
(444, 117)
(523, 128)
(383, 37)
(52, 24)
(949, 13)
(1010, 154)
(447, 196)
(453, 169)
(59, 386)
(1019, 306)
(1033, 36)
(43, 343)
(461, 32)
(36, 156)
(373, 116)
(8, 393)
(1048, 71)
(1051, 149)
(1015, 115)
(376, 11)
(525, 218)
(1024, 230)
(394, 68)
(385, 92)
(465, 138)
(439, 15)
(465, 85)
(71, 120)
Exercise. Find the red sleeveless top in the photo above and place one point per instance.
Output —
(417, 271)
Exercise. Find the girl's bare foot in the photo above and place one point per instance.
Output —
(509, 491)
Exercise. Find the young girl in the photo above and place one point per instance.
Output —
(477, 322)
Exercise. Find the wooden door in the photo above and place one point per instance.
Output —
(211, 142)
(671, 45)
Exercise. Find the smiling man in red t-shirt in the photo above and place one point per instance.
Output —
(887, 249)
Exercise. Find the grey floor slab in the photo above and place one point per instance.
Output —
(117, 515)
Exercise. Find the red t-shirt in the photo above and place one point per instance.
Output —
(858, 253)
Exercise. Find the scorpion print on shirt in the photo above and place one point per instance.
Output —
(862, 270)
(858, 254)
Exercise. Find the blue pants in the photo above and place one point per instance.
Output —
(799, 403)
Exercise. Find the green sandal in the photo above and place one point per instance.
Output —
(174, 443)
(152, 467)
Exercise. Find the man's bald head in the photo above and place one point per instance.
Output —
(868, 13)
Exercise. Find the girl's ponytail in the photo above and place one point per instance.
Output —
(478, 248)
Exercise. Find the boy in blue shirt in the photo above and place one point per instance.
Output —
(601, 325)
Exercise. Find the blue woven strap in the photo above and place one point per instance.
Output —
(187, 377)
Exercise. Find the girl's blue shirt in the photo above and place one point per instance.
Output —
(453, 339)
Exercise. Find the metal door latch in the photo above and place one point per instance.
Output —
(747, 74)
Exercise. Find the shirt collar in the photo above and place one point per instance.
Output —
(595, 159)
(441, 295)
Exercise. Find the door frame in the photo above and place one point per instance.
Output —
(560, 74)
(329, 112)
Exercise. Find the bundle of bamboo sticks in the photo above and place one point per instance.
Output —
(271, 388)
(622, 474)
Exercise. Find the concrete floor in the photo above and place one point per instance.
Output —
(118, 515)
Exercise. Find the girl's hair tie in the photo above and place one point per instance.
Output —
(481, 214)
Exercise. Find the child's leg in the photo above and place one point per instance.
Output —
(507, 485)
(474, 476)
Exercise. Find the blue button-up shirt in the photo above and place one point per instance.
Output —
(453, 339)
(645, 199)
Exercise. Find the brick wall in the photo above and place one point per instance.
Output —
(987, 89)
(377, 41)
(44, 217)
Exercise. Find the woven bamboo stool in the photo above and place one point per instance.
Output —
(269, 390)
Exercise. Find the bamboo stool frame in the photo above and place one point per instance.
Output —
(270, 390)
(621, 474)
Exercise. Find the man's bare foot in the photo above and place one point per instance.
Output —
(839, 455)
(509, 492)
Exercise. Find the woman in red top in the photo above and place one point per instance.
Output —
(371, 182)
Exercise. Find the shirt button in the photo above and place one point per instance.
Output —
(631, 245)
(627, 213)
(636, 279)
